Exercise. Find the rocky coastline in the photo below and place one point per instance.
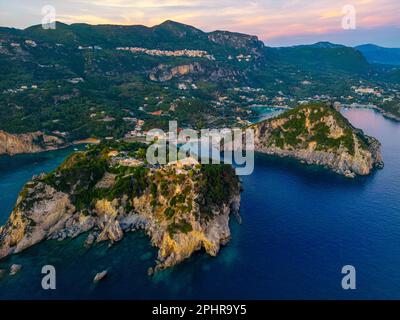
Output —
(319, 135)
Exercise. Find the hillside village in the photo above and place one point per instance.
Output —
(168, 53)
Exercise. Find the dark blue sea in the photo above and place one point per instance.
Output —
(301, 225)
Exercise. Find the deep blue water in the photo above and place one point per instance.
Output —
(300, 226)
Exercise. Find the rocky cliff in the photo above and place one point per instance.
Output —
(28, 142)
(318, 134)
(195, 70)
(182, 207)
(164, 72)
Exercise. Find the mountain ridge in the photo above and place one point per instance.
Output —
(318, 134)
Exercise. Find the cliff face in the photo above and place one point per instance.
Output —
(318, 134)
(182, 208)
(27, 142)
(197, 70)
(164, 73)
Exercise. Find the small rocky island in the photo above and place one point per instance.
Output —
(109, 189)
(318, 134)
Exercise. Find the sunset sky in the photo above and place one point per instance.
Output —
(277, 23)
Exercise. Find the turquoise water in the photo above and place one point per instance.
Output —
(261, 113)
(17, 170)
(300, 226)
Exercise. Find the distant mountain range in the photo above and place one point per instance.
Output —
(376, 54)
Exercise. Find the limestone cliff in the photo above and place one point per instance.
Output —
(318, 134)
(28, 142)
(182, 208)
(190, 71)
(164, 72)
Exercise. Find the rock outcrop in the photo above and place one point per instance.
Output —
(182, 210)
(318, 134)
(14, 269)
(28, 142)
(100, 276)
(164, 72)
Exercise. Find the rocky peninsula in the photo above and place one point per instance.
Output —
(183, 207)
(318, 134)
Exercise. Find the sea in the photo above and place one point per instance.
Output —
(301, 225)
